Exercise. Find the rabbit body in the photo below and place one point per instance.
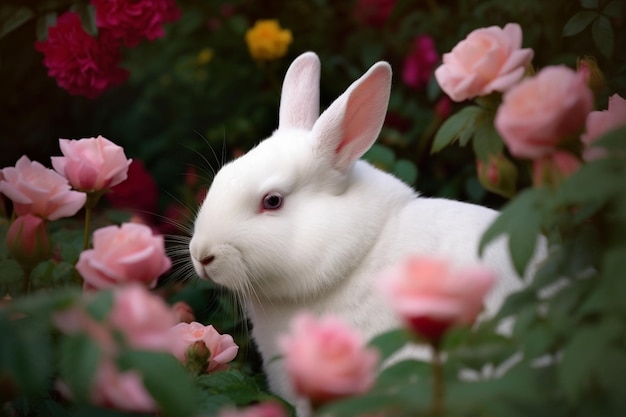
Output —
(340, 220)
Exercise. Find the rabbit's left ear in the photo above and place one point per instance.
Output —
(351, 124)
(300, 97)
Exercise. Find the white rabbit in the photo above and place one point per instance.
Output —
(300, 223)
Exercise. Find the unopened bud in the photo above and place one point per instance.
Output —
(588, 67)
(27, 240)
(551, 170)
(498, 175)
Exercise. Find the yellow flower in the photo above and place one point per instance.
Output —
(204, 56)
(267, 40)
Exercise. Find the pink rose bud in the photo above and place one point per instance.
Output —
(498, 175)
(601, 122)
(431, 296)
(487, 60)
(121, 255)
(326, 359)
(183, 312)
(27, 240)
(91, 164)
(40, 191)
(542, 112)
(589, 70)
(552, 169)
(186, 335)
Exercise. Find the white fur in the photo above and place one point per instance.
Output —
(342, 221)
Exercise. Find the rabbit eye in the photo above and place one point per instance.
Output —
(272, 201)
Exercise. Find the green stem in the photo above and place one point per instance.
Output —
(26, 280)
(87, 227)
(438, 387)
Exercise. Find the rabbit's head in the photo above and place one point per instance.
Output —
(285, 220)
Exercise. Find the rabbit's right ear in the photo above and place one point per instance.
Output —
(300, 97)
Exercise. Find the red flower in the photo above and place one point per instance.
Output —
(138, 192)
(82, 65)
(129, 21)
(420, 63)
(374, 12)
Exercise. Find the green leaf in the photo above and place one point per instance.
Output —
(43, 23)
(100, 306)
(166, 380)
(390, 342)
(521, 220)
(240, 389)
(405, 170)
(602, 33)
(487, 141)
(579, 22)
(79, 356)
(12, 17)
(458, 125)
(613, 9)
(516, 302)
(380, 156)
(614, 140)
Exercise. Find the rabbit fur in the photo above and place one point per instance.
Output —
(341, 221)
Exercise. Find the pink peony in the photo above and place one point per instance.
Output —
(221, 348)
(40, 191)
(420, 62)
(120, 255)
(431, 296)
(265, 409)
(541, 112)
(487, 60)
(91, 164)
(601, 122)
(326, 359)
(27, 240)
(129, 21)
(82, 65)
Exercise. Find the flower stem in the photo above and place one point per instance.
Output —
(438, 387)
(87, 227)
(26, 280)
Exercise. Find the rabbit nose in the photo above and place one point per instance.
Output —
(205, 261)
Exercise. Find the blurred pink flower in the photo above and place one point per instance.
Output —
(374, 12)
(129, 21)
(123, 254)
(431, 296)
(326, 359)
(91, 164)
(601, 122)
(443, 107)
(487, 60)
(222, 348)
(420, 62)
(183, 312)
(265, 409)
(541, 112)
(27, 240)
(121, 390)
(554, 168)
(82, 65)
(40, 191)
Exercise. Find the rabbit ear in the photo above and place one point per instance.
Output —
(300, 98)
(349, 127)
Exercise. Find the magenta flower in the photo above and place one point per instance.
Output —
(420, 62)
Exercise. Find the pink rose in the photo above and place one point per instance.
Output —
(431, 296)
(183, 312)
(541, 112)
(222, 348)
(554, 168)
(326, 359)
(27, 240)
(91, 164)
(121, 390)
(420, 62)
(130, 253)
(129, 21)
(487, 60)
(265, 409)
(40, 191)
(82, 65)
(601, 122)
